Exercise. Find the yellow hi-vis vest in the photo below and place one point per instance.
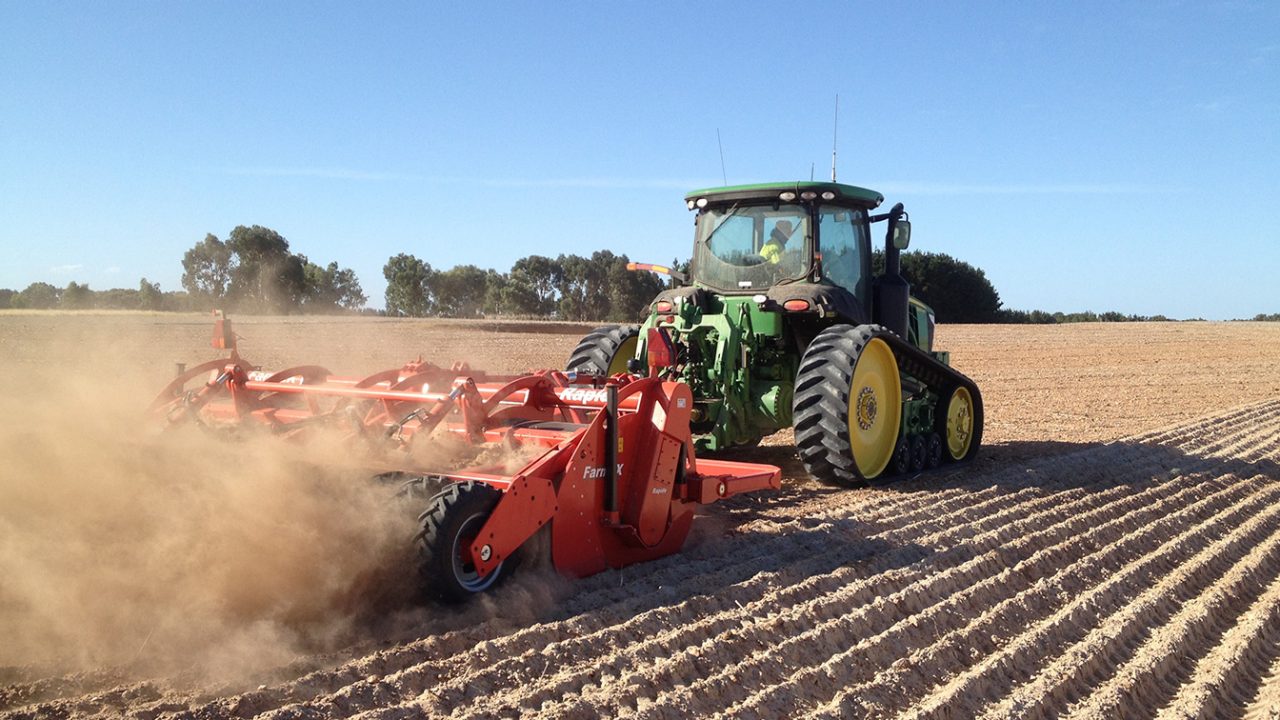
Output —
(771, 252)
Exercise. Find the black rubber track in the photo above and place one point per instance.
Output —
(821, 406)
(596, 351)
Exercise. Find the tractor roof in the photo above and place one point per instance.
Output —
(859, 195)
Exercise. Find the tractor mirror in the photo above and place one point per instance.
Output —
(902, 234)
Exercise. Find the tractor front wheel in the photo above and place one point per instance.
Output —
(848, 405)
(448, 528)
(605, 350)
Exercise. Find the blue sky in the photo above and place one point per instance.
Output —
(1086, 155)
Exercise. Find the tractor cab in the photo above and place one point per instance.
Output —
(784, 238)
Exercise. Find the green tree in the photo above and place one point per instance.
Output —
(459, 291)
(407, 286)
(957, 291)
(575, 272)
(206, 271)
(495, 292)
(331, 289)
(76, 296)
(531, 286)
(117, 299)
(149, 295)
(266, 276)
(6, 297)
(37, 296)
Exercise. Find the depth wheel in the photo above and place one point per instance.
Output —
(605, 350)
(848, 405)
(960, 425)
(448, 527)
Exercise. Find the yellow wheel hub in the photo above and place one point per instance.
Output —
(626, 351)
(959, 423)
(875, 408)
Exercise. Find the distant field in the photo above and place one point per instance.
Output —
(1114, 552)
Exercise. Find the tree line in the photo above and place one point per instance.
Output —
(78, 296)
(255, 271)
(961, 293)
(567, 287)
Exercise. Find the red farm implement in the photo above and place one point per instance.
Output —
(613, 471)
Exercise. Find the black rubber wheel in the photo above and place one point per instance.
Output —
(448, 527)
(605, 350)
(919, 453)
(848, 379)
(901, 457)
(414, 491)
(933, 451)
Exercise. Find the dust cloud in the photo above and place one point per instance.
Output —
(185, 554)
(120, 547)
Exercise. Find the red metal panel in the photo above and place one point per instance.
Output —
(527, 505)
(652, 497)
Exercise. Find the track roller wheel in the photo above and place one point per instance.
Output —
(848, 405)
(958, 424)
(448, 527)
(933, 451)
(605, 350)
(919, 453)
(901, 458)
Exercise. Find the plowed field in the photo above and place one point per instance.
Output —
(1114, 553)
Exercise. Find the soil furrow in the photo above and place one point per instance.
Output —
(1238, 676)
(996, 582)
(1196, 430)
(1043, 667)
(1115, 543)
(1169, 654)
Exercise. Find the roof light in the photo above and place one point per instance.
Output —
(808, 195)
(828, 195)
(796, 305)
(702, 202)
(690, 204)
(787, 196)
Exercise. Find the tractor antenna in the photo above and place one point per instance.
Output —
(835, 129)
(723, 176)
(811, 171)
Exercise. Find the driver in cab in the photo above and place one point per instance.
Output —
(772, 250)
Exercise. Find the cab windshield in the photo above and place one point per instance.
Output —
(744, 248)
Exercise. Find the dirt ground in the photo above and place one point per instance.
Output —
(1114, 552)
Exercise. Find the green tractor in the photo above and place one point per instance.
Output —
(780, 323)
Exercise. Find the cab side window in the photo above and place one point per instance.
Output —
(841, 237)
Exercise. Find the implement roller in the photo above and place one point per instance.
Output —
(613, 470)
